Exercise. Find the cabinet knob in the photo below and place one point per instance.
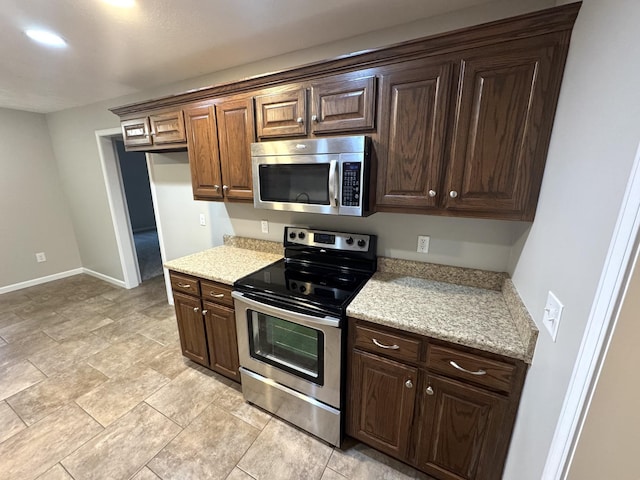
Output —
(299, 120)
(432, 193)
(225, 187)
(453, 194)
(429, 390)
(204, 312)
(195, 309)
(216, 188)
(314, 118)
(408, 384)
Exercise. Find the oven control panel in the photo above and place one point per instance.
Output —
(354, 242)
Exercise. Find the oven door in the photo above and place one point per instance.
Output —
(300, 351)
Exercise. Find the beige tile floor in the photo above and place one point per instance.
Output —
(93, 386)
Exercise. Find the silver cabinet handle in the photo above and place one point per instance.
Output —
(225, 187)
(195, 309)
(432, 193)
(299, 120)
(382, 345)
(408, 384)
(184, 285)
(314, 118)
(217, 295)
(204, 312)
(453, 194)
(216, 188)
(455, 365)
(429, 390)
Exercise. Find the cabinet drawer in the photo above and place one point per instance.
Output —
(185, 284)
(469, 367)
(386, 343)
(217, 292)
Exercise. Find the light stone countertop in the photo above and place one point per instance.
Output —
(473, 317)
(224, 264)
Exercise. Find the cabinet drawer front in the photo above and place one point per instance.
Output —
(185, 284)
(469, 367)
(217, 292)
(386, 343)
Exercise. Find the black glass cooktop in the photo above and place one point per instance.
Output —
(314, 287)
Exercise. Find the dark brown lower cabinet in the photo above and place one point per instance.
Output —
(222, 340)
(445, 409)
(381, 402)
(206, 323)
(191, 328)
(461, 426)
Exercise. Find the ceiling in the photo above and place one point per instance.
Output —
(117, 51)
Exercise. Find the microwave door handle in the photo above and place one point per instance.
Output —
(333, 183)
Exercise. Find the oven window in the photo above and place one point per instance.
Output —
(295, 183)
(288, 346)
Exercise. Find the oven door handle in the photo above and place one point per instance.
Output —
(271, 310)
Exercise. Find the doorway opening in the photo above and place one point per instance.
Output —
(137, 192)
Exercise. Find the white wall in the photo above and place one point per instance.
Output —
(595, 136)
(611, 432)
(34, 214)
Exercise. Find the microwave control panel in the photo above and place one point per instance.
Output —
(351, 179)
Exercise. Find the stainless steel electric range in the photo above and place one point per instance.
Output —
(290, 318)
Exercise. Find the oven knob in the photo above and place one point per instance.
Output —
(292, 235)
(301, 235)
(294, 285)
(350, 241)
(361, 243)
(303, 288)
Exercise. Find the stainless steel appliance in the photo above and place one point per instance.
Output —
(327, 175)
(290, 317)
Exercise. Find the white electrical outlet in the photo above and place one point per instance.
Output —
(264, 225)
(41, 257)
(203, 220)
(423, 244)
(552, 313)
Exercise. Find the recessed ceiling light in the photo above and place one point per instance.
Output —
(46, 38)
(121, 3)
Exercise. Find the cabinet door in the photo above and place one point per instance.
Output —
(282, 114)
(236, 133)
(204, 157)
(136, 132)
(381, 399)
(461, 428)
(505, 106)
(223, 343)
(193, 339)
(342, 105)
(414, 108)
(168, 128)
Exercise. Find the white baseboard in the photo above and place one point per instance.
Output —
(38, 281)
(106, 278)
(58, 276)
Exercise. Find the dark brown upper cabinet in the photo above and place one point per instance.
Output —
(219, 137)
(343, 104)
(204, 156)
(413, 122)
(155, 132)
(282, 113)
(504, 113)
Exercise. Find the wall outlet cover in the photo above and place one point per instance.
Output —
(423, 244)
(41, 257)
(203, 220)
(264, 225)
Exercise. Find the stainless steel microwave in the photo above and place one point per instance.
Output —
(326, 175)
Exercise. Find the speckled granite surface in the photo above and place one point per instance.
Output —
(521, 317)
(254, 244)
(224, 264)
(474, 317)
(443, 273)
